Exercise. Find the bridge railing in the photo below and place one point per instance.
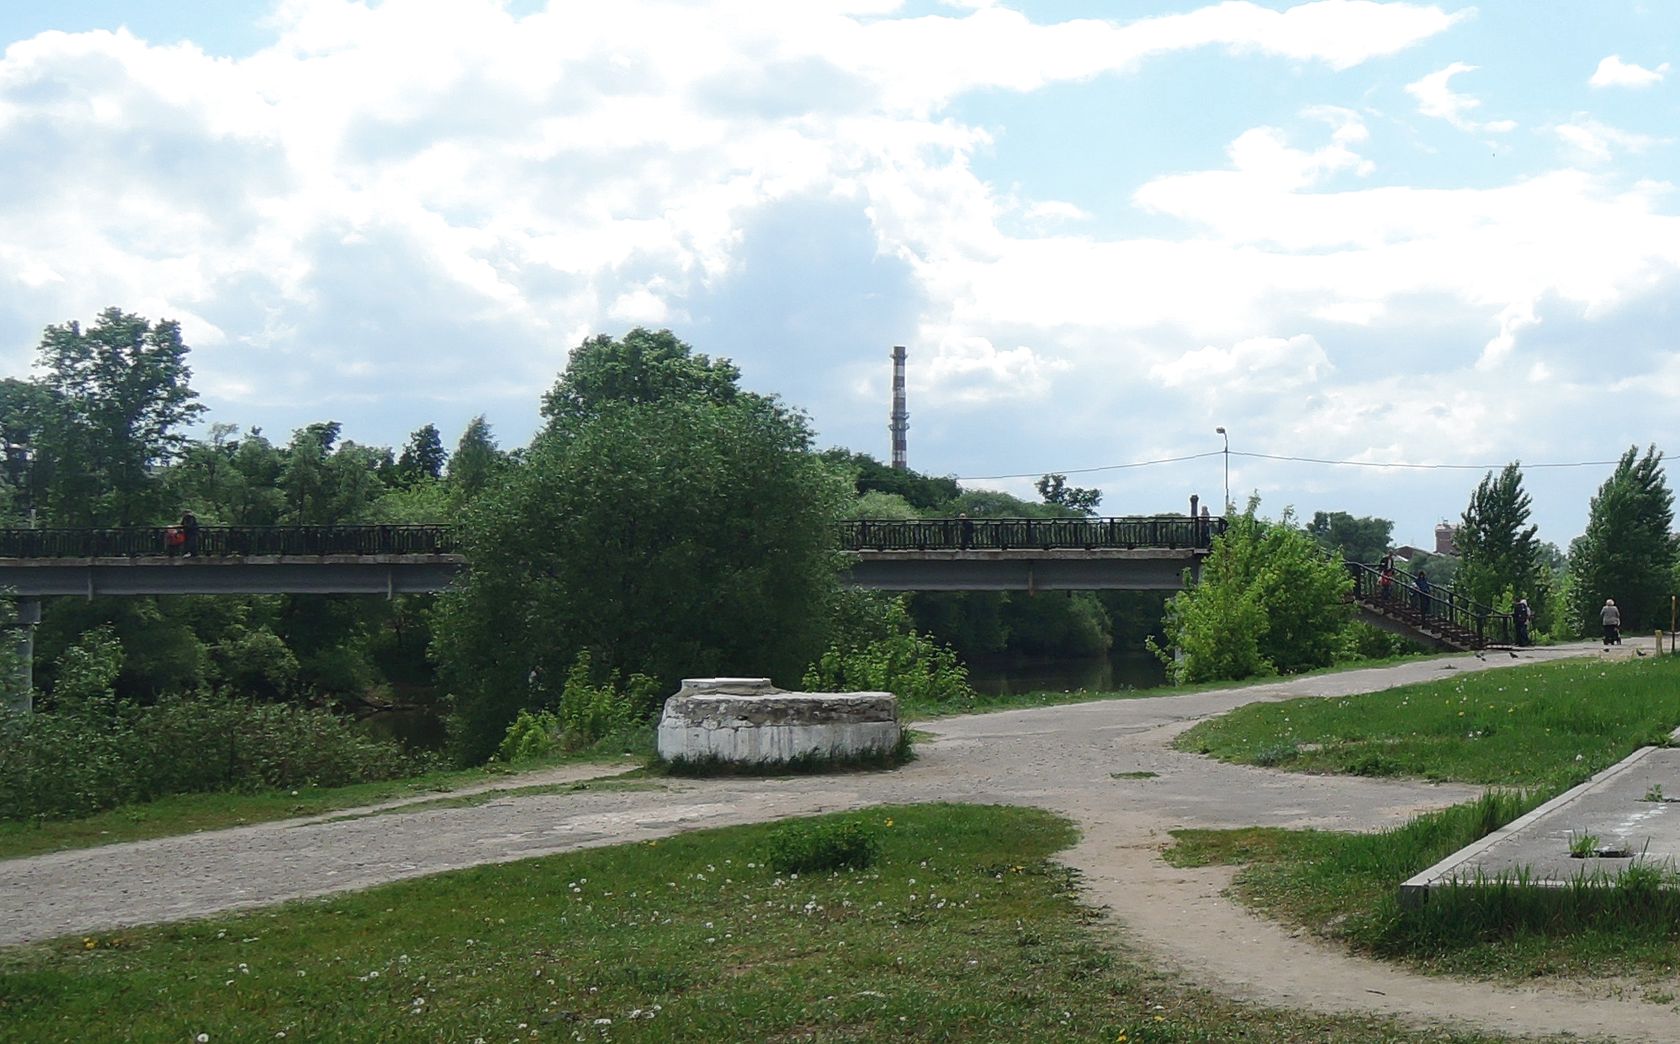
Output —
(1013, 534)
(221, 541)
(1440, 603)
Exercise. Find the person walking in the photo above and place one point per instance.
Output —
(189, 534)
(1421, 582)
(1611, 618)
(1520, 615)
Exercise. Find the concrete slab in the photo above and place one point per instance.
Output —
(1613, 807)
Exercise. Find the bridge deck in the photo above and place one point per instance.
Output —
(253, 574)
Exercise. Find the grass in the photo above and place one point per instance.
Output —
(1542, 728)
(1546, 725)
(1345, 887)
(187, 813)
(964, 929)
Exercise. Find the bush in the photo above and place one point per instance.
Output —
(804, 847)
(61, 765)
(590, 712)
(532, 735)
(914, 667)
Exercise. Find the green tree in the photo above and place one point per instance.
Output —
(327, 483)
(1363, 539)
(1076, 499)
(122, 397)
(1499, 555)
(1628, 550)
(476, 459)
(1268, 601)
(682, 535)
(926, 493)
(643, 367)
(423, 458)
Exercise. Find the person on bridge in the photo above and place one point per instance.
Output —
(1520, 615)
(189, 534)
(1611, 618)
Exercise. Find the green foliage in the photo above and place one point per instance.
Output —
(75, 763)
(532, 735)
(820, 845)
(1056, 492)
(256, 663)
(1362, 539)
(476, 461)
(678, 537)
(878, 505)
(1268, 601)
(1496, 545)
(924, 493)
(120, 398)
(423, 458)
(327, 483)
(1628, 550)
(914, 667)
(644, 368)
(87, 672)
(590, 712)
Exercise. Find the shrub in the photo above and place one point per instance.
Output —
(532, 735)
(914, 667)
(803, 847)
(590, 712)
(60, 765)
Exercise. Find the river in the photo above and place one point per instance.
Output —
(1007, 676)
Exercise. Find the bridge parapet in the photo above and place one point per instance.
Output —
(223, 541)
(1170, 532)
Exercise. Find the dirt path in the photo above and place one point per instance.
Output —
(1062, 758)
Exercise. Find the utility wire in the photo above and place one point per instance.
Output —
(1087, 471)
(1424, 467)
(1282, 457)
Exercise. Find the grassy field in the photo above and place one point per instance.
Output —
(965, 929)
(1345, 887)
(1548, 725)
(187, 813)
(1542, 728)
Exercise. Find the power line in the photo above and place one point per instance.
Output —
(1423, 467)
(1290, 459)
(1087, 471)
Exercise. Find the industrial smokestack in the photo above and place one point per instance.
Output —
(900, 425)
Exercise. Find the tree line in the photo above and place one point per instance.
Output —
(664, 521)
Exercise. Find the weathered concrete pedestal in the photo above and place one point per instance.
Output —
(748, 721)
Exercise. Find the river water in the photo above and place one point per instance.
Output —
(1120, 670)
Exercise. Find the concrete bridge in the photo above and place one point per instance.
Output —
(957, 554)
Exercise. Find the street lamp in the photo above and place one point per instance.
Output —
(1221, 432)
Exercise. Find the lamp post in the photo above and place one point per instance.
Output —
(1227, 438)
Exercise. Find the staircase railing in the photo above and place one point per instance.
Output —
(1441, 608)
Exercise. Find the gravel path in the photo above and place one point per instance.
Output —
(1060, 758)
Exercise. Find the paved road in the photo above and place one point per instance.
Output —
(1061, 758)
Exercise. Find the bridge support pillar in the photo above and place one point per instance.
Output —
(20, 690)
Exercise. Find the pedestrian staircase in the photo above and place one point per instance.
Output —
(1443, 617)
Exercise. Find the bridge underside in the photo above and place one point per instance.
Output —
(1054, 570)
(276, 574)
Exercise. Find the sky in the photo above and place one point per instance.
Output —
(1376, 233)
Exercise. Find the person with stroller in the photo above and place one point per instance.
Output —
(1611, 617)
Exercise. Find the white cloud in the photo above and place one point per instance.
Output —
(1056, 210)
(1435, 97)
(1613, 72)
(1259, 366)
(1596, 142)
